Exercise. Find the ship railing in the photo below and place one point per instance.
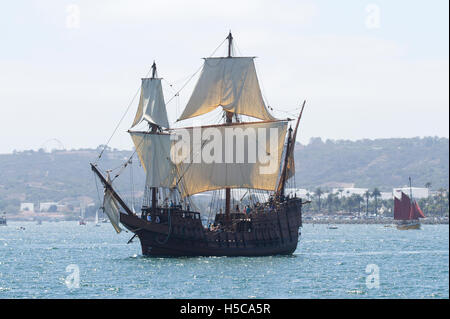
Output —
(161, 214)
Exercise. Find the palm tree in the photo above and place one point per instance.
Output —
(441, 198)
(359, 199)
(376, 193)
(427, 185)
(318, 193)
(367, 196)
(330, 201)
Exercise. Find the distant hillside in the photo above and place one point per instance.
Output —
(382, 163)
(31, 176)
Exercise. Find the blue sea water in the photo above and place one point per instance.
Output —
(327, 264)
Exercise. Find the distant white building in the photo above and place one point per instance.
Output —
(44, 207)
(349, 191)
(386, 195)
(27, 207)
(417, 192)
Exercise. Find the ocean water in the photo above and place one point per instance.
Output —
(353, 261)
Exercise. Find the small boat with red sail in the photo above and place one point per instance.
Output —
(407, 212)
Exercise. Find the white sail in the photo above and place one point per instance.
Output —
(111, 209)
(231, 83)
(151, 104)
(254, 162)
(154, 153)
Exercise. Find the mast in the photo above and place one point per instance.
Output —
(153, 70)
(231, 82)
(410, 191)
(228, 120)
(289, 150)
(230, 44)
(286, 159)
(154, 129)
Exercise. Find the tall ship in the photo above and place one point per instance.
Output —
(244, 162)
(407, 212)
(3, 220)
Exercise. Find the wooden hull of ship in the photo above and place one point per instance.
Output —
(415, 224)
(273, 232)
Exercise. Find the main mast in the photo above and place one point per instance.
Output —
(231, 83)
(228, 120)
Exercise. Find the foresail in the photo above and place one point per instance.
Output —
(111, 209)
(231, 83)
(154, 153)
(151, 104)
(242, 155)
(416, 212)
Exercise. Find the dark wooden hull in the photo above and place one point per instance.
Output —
(261, 233)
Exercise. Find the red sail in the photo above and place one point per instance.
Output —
(397, 208)
(402, 208)
(416, 212)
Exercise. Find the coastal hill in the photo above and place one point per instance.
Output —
(38, 176)
(382, 163)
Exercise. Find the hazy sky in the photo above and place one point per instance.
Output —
(368, 69)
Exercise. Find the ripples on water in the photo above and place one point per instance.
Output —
(327, 264)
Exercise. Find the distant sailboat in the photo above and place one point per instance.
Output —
(407, 212)
(3, 219)
(82, 221)
(96, 219)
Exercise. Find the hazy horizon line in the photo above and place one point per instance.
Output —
(311, 140)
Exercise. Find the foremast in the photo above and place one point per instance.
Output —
(153, 145)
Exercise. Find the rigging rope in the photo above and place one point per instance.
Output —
(128, 108)
(121, 119)
(190, 78)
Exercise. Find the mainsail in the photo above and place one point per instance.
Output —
(238, 155)
(230, 82)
